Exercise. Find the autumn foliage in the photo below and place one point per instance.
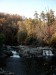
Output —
(39, 31)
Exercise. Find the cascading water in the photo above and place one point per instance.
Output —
(47, 53)
(15, 54)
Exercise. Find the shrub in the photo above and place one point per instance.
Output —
(2, 38)
(53, 40)
(31, 40)
(22, 36)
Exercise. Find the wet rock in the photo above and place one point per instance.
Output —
(26, 51)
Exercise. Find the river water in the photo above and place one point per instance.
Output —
(27, 66)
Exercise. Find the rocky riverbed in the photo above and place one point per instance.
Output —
(29, 52)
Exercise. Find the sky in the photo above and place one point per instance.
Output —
(26, 8)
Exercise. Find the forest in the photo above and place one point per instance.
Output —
(37, 31)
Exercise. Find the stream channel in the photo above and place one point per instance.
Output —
(29, 66)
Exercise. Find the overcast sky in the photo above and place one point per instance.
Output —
(26, 7)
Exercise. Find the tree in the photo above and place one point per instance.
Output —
(49, 19)
(36, 15)
(42, 15)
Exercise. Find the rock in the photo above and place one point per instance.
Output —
(7, 53)
(26, 51)
(29, 51)
(2, 72)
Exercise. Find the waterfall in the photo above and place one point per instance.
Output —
(15, 54)
(47, 53)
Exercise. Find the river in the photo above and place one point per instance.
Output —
(27, 66)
